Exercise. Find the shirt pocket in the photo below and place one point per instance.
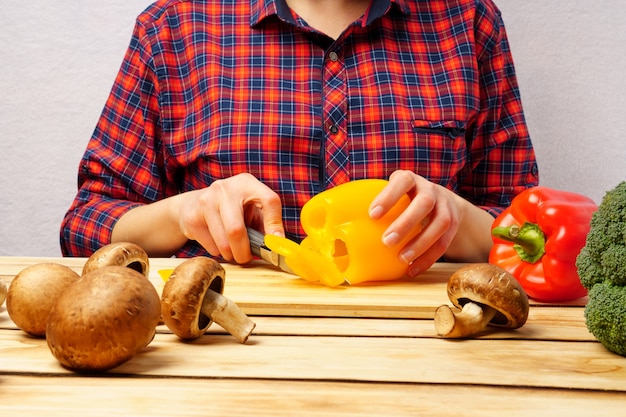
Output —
(440, 150)
(449, 128)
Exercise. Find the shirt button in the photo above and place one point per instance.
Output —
(333, 129)
(333, 56)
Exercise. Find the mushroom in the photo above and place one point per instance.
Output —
(103, 319)
(3, 292)
(484, 294)
(121, 254)
(33, 292)
(192, 299)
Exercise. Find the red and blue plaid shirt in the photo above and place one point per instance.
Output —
(209, 89)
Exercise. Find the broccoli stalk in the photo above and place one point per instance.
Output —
(601, 267)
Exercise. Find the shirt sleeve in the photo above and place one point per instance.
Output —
(120, 168)
(502, 161)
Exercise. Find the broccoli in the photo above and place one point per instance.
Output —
(605, 315)
(601, 266)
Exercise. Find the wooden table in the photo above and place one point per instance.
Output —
(366, 350)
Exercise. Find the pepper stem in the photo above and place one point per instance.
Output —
(530, 241)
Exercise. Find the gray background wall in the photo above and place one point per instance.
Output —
(58, 61)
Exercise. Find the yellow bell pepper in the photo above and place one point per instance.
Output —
(343, 244)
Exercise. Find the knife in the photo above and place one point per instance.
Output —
(258, 248)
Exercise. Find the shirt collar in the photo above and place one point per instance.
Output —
(262, 9)
(381, 7)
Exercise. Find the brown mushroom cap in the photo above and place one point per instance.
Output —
(103, 320)
(191, 300)
(489, 285)
(125, 254)
(183, 293)
(33, 292)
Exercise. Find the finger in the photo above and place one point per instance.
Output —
(273, 218)
(263, 211)
(229, 232)
(193, 224)
(412, 220)
(424, 262)
(210, 233)
(204, 238)
(239, 244)
(401, 183)
(428, 247)
(216, 232)
(425, 255)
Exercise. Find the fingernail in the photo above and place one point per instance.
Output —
(391, 239)
(376, 212)
(413, 271)
(407, 256)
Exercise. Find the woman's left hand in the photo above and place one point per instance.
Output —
(437, 221)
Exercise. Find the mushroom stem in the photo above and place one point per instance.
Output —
(462, 323)
(227, 314)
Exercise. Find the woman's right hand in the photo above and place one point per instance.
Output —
(216, 217)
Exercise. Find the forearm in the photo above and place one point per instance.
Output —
(155, 227)
(472, 241)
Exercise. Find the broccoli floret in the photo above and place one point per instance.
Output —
(605, 315)
(601, 266)
(603, 258)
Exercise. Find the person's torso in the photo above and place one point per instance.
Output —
(302, 112)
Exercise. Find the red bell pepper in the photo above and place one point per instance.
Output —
(537, 239)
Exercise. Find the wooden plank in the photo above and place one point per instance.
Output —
(262, 290)
(544, 323)
(12, 265)
(583, 365)
(34, 396)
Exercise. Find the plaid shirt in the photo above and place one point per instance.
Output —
(209, 89)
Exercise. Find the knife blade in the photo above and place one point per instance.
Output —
(258, 248)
